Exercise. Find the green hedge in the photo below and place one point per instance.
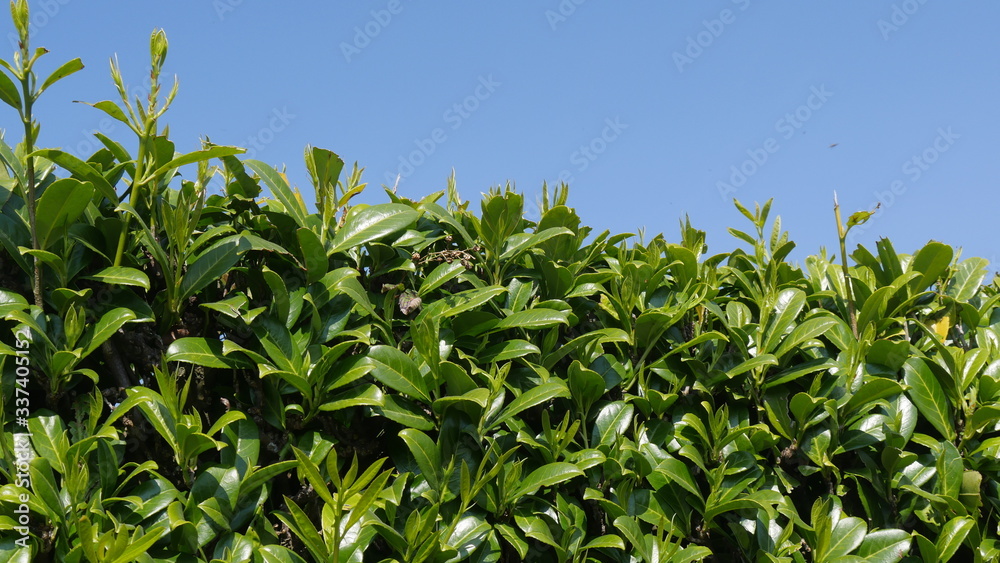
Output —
(194, 377)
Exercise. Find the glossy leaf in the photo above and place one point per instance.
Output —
(120, 275)
(531, 398)
(211, 264)
(278, 184)
(929, 397)
(372, 223)
(397, 371)
(546, 476)
(61, 205)
(205, 352)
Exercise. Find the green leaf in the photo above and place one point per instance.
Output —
(797, 370)
(106, 326)
(530, 398)
(470, 531)
(885, 546)
(846, 537)
(8, 157)
(244, 440)
(207, 352)
(211, 264)
(927, 394)
(360, 396)
(131, 401)
(514, 538)
(786, 309)
(932, 260)
(613, 421)
(223, 421)
(43, 483)
(80, 169)
(532, 241)
(534, 319)
(501, 216)
(292, 203)
(675, 471)
(952, 535)
(871, 391)
(928, 551)
(806, 330)
(61, 205)
(310, 471)
(873, 309)
(112, 109)
(426, 454)
(889, 353)
(397, 371)
(313, 255)
(546, 476)
(859, 218)
(139, 545)
(9, 92)
(373, 223)
(298, 522)
(950, 469)
(752, 363)
(452, 305)
(10, 302)
(508, 350)
(629, 527)
(193, 157)
(324, 168)
(68, 68)
(968, 279)
(121, 275)
(585, 385)
(48, 436)
(374, 490)
(608, 541)
(971, 491)
(278, 554)
(404, 411)
(263, 475)
(760, 500)
(440, 276)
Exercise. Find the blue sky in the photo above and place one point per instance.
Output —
(650, 110)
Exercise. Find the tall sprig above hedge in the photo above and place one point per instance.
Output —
(21, 93)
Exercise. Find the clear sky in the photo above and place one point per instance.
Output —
(650, 110)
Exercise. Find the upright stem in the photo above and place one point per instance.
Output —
(842, 236)
(139, 173)
(29, 147)
(148, 133)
